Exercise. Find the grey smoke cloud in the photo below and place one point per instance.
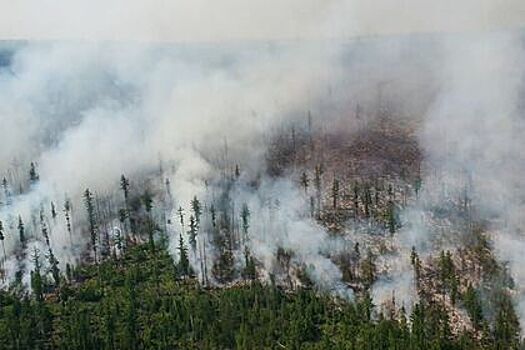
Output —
(473, 138)
(212, 21)
(121, 109)
(89, 112)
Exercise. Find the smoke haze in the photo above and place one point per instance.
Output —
(87, 111)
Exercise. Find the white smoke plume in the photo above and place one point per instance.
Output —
(122, 110)
(88, 111)
(473, 137)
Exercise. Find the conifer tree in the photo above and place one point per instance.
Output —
(367, 200)
(147, 200)
(319, 171)
(43, 227)
(69, 273)
(122, 215)
(184, 263)
(391, 217)
(37, 283)
(88, 201)
(245, 218)
(506, 325)
(305, 181)
(335, 193)
(21, 254)
(180, 211)
(33, 173)
(54, 269)
(250, 271)
(473, 306)
(417, 185)
(21, 231)
(416, 264)
(213, 213)
(237, 171)
(53, 211)
(5, 187)
(197, 210)
(368, 270)
(2, 238)
(67, 214)
(124, 186)
(193, 233)
(223, 269)
(356, 199)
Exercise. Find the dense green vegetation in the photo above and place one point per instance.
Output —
(141, 301)
(129, 293)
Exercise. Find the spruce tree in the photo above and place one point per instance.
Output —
(5, 186)
(54, 268)
(368, 270)
(67, 214)
(305, 181)
(213, 214)
(53, 211)
(2, 238)
(250, 271)
(90, 208)
(180, 211)
(184, 263)
(472, 303)
(193, 233)
(335, 193)
(506, 325)
(245, 218)
(124, 186)
(33, 173)
(319, 171)
(21, 231)
(391, 217)
(237, 171)
(37, 283)
(367, 201)
(356, 199)
(197, 210)
(43, 227)
(21, 254)
(147, 200)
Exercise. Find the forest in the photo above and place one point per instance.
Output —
(144, 301)
(129, 291)
(317, 190)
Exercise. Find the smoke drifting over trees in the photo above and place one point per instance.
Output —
(386, 170)
(132, 110)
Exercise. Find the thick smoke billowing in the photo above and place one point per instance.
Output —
(473, 137)
(195, 111)
(86, 113)
(120, 110)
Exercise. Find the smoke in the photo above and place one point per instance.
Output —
(195, 111)
(281, 219)
(87, 112)
(123, 109)
(234, 20)
(473, 138)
